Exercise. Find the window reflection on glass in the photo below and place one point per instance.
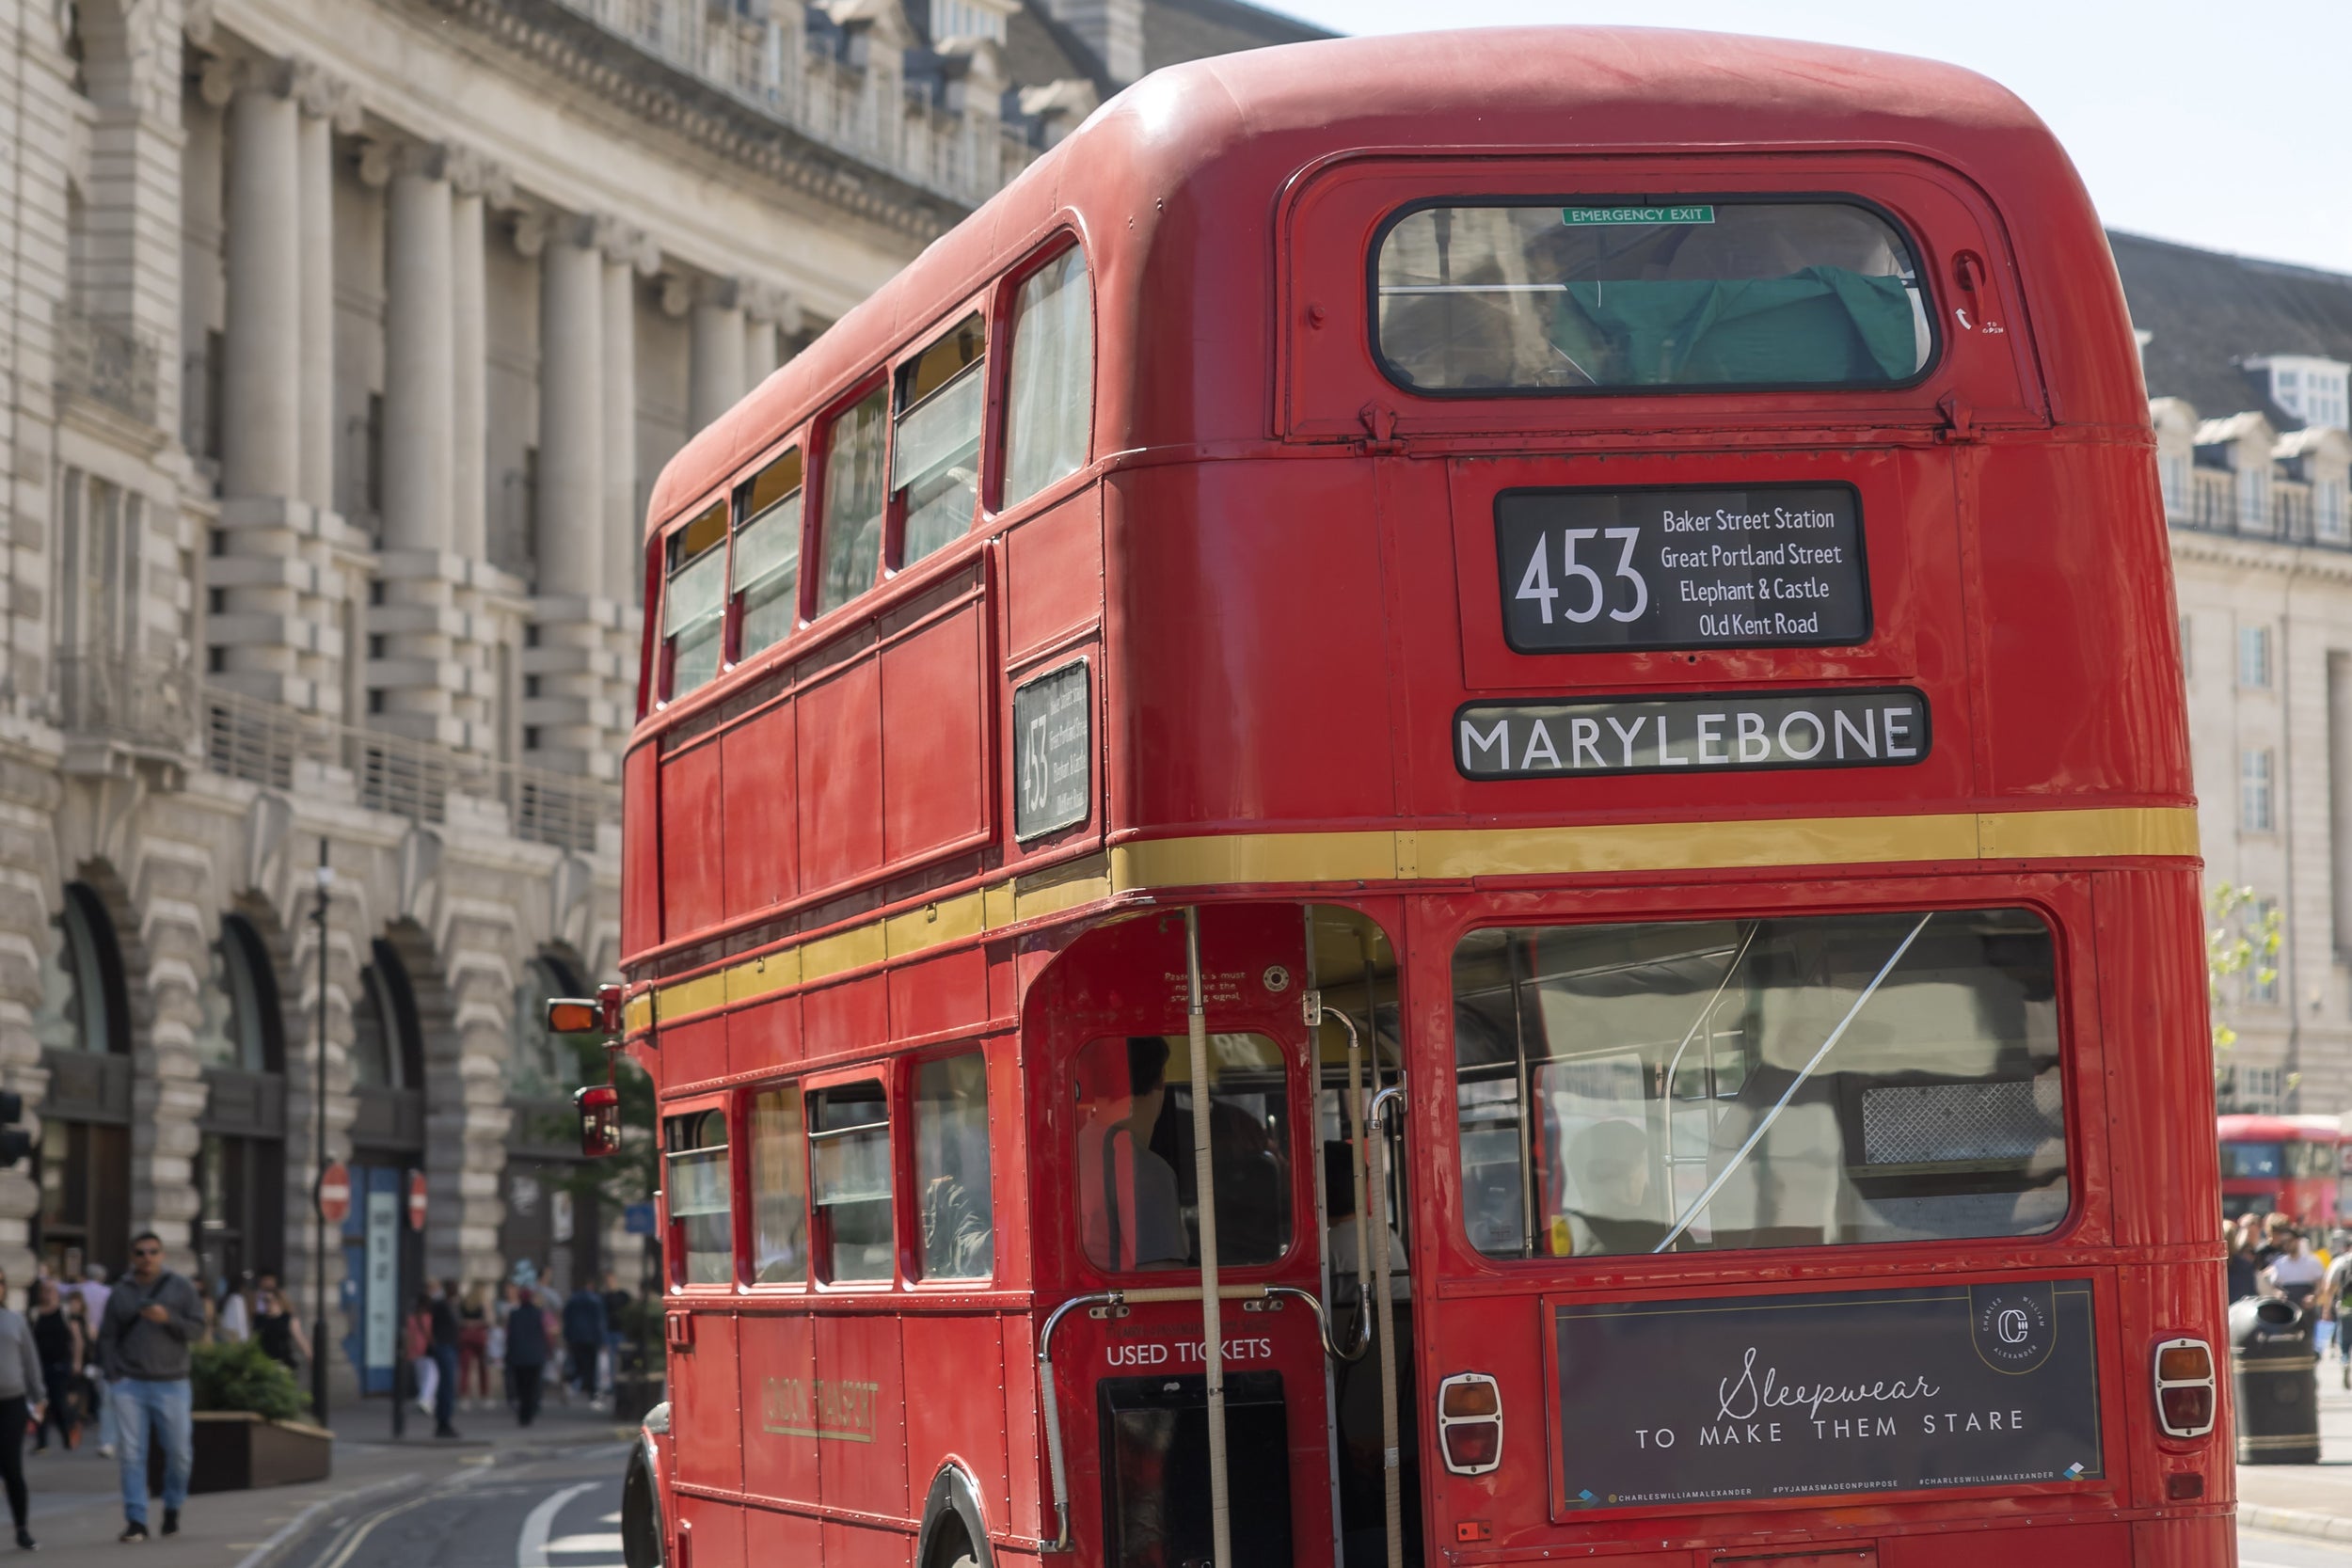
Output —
(952, 1167)
(935, 462)
(850, 538)
(779, 1188)
(1745, 292)
(1138, 1205)
(1049, 386)
(849, 1182)
(1653, 1056)
(237, 1000)
(75, 966)
(700, 1212)
(693, 606)
(768, 556)
(375, 1036)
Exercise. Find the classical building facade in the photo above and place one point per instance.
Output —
(2246, 364)
(343, 341)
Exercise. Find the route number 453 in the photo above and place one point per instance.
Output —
(1535, 583)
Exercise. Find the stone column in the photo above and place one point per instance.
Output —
(262, 379)
(759, 350)
(571, 415)
(327, 106)
(621, 526)
(418, 368)
(469, 388)
(770, 315)
(717, 377)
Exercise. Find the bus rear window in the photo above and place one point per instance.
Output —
(1788, 1082)
(1609, 293)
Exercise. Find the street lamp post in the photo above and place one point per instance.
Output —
(318, 1119)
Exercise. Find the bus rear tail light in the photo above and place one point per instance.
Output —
(1469, 1423)
(2185, 1393)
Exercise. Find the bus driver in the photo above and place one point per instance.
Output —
(1130, 1214)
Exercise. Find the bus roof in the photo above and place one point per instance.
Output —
(2316, 1129)
(1235, 130)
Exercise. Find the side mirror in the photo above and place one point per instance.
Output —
(599, 1107)
(598, 1014)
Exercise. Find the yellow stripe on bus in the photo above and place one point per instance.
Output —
(1443, 854)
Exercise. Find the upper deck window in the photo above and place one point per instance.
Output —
(935, 462)
(850, 537)
(1787, 1081)
(702, 1221)
(768, 556)
(1049, 392)
(1611, 293)
(691, 620)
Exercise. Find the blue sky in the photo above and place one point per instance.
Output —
(2223, 126)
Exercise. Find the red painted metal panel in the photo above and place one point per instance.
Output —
(942, 1351)
(702, 1396)
(854, 1015)
(840, 773)
(777, 1537)
(780, 1441)
(934, 778)
(1054, 574)
(692, 848)
(693, 1053)
(2099, 1545)
(760, 812)
(1025, 1441)
(714, 1531)
(863, 1546)
(641, 852)
(939, 994)
(765, 1035)
(861, 1414)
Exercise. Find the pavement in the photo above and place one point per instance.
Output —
(352, 1519)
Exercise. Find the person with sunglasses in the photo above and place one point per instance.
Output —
(152, 1316)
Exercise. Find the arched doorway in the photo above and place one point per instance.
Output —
(547, 1224)
(240, 1164)
(384, 1257)
(83, 1026)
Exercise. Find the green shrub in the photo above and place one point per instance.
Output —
(243, 1377)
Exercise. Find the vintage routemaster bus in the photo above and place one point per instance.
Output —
(1500, 711)
(2292, 1166)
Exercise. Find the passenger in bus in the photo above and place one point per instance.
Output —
(1610, 1162)
(1347, 1241)
(1130, 1215)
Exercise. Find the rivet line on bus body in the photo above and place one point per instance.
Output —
(1447, 854)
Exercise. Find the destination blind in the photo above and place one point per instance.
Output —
(1727, 732)
(1715, 567)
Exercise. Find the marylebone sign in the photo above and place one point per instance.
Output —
(1729, 731)
(1783, 1395)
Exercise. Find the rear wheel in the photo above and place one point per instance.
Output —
(640, 1516)
(953, 1548)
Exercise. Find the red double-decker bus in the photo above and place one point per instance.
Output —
(2291, 1166)
(1437, 808)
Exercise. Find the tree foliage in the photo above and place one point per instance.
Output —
(241, 1375)
(2243, 935)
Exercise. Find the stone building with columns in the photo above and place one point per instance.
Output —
(342, 340)
(2247, 363)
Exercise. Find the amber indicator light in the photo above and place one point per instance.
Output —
(1470, 1530)
(2184, 1363)
(1470, 1400)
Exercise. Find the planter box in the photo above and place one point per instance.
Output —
(235, 1451)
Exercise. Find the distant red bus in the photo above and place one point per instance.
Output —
(1557, 640)
(2283, 1164)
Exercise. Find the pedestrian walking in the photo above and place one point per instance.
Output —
(232, 1323)
(443, 1313)
(473, 1347)
(583, 1336)
(276, 1327)
(615, 1336)
(22, 1395)
(94, 1291)
(151, 1319)
(425, 1374)
(2294, 1274)
(526, 1354)
(57, 1341)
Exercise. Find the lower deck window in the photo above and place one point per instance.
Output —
(849, 1182)
(1798, 1081)
(702, 1219)
(1139, 1204)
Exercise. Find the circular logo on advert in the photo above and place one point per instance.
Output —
(2013, 1325)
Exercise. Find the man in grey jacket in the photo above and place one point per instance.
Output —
(152, 1316)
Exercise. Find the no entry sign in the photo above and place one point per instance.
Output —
(416, 1200)
(334, 1193)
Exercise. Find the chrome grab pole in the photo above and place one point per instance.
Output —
(1204, 1190)
(1318, 1014)
(1391, 1488)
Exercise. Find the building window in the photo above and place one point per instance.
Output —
(2188, 649)
(541, 1069)
(2256, 813)
(2173, 478)
(81, 1003)
(2253, 657)
(2253, 500)
(2328, 507)
(240, 1027)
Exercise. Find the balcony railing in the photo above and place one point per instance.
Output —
(266, 743)
(107, 362)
